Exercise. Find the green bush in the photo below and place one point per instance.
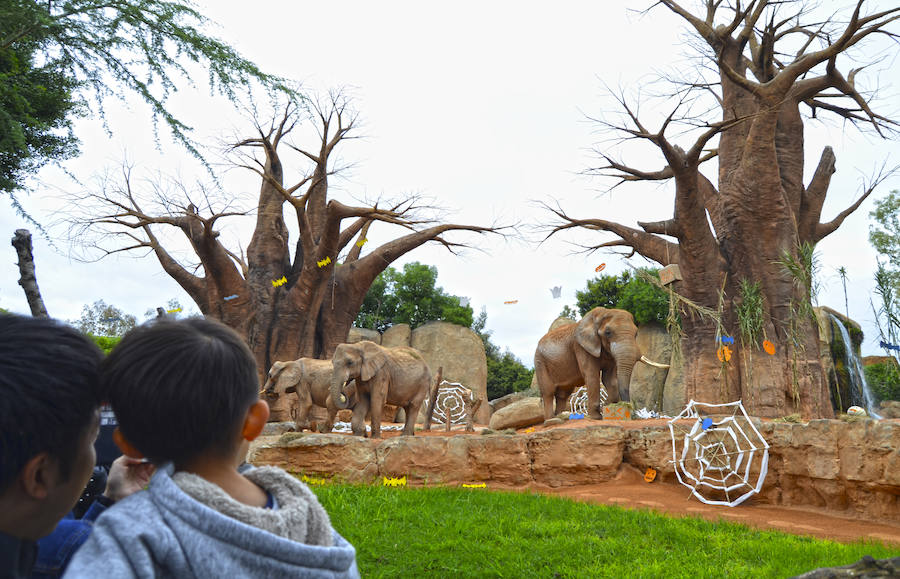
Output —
(883, 381)
(646, 302)
(505, 375)
(106, 343)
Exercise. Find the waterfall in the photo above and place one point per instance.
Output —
(860, 394)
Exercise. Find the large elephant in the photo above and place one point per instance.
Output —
(311, 380)
(602, 346)
(398, 376)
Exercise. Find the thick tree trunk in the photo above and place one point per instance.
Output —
(22, 242)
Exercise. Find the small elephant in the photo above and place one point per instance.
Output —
(602, 345)
(398, 376)
(310, 379)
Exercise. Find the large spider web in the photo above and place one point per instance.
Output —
(450, 403)
(579, 398)
(722, 458)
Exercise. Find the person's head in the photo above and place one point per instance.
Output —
(183, 391)
(49, 396)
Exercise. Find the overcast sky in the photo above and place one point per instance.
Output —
(479, 106)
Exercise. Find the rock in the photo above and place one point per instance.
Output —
(872, 360)
(360, 334)
(865, 567)
(527, 412)
(674, 397)
(504, 401)
(396, 335)
(575, 456)
(890, 408)
(647, 382)
(461, 353)
(554, 421)
(272, 428)
(349, 457)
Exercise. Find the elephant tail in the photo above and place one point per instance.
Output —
(432, 397)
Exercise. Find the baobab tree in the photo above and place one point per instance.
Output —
(287, 300)
(744, 240)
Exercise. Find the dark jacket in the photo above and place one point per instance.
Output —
(56, 549)
(16, 557)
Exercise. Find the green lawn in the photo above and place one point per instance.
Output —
(454, 532)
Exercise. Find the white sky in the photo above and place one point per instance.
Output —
(480, 106)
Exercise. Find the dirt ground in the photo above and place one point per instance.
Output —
(629, 490)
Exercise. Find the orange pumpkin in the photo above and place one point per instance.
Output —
(724, 354)
(650, 475)
(769, 347)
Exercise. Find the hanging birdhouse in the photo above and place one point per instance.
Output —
(669, 274)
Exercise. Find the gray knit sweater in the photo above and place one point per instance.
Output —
(184, 526)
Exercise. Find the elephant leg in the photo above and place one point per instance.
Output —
(358, 422)
(593, 401)
(303, 410)
(329, 420)
(376, 406)
(561, 397)
(547, 401)
(611, 383)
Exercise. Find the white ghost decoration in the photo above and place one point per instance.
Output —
(556, 291)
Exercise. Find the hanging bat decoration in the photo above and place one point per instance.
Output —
(362, 242)
(324, 262)
(511, 302)
(279, 282)
(600, 267)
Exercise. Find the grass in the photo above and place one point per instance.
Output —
(454, 532)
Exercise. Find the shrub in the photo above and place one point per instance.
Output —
(883, 381)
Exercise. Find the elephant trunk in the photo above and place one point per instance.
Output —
(626, 356)
(340, 399)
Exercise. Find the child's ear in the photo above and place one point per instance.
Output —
(36, 477)
(256, 420)
(126, 447)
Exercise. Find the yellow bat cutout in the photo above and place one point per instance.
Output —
(394, 482)
(475, 486)
(279, 282)
(324, 262)
(361, 242)
(313, 481)
(175, 311)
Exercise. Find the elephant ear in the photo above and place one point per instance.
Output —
(587, 334)
(373, 359)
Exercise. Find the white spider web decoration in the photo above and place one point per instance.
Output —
(578, 400)
(723, 461)
(451, 402)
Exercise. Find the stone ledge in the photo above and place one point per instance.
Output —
(853, 468)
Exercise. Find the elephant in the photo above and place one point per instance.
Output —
(398, 376)
(311, 380)
(602, 345)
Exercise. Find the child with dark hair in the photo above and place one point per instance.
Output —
(49, 398)
(186, 396)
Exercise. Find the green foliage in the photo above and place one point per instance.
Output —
(506, 374)
(568, 312)
(409, 297)
(883, 381)
(749, 312)
(885, 234)
(103, 320)
(646, 302)
(106, 343)
(414, 532)
(58, 57)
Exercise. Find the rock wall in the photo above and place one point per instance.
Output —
(461, 353)
(853, 467)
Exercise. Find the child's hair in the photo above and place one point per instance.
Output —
(181, 389)
(48, 392)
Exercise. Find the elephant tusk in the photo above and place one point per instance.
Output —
(652, 363)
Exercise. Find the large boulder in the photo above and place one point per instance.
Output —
(460, 352)
(360, 334)
(395, 336)
(527, 412)
(674, 395)
(504, 401)
(648, 382)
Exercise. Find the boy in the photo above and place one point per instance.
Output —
(185, 394)
(49, 398)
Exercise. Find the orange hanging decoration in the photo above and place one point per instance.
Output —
(724, 354)
(600, 267)
(650, 475)
(769, 347)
